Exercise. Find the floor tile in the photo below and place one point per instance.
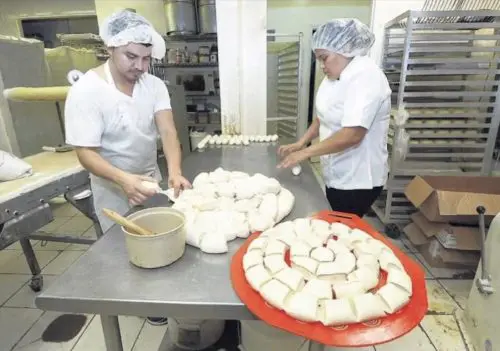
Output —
(444, 333)
(150, 337)
(15, 246)
(439, 300)
(416, 339)
(54, 225)
(64, 210)
(7, 256)
(93, 338)
(18, 264)
(408, 245)
(14, 323)
(446, 272)
(62, 262)
(10, 284)
(90, 233)
(49, 245)
(74, 226)
(414, 257)
(32, 340)
(78, 247)
(459, 289)
(459, 316)
(25, 297)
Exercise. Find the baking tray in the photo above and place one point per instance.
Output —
(368, 333)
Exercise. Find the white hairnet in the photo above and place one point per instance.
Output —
(346, 36)
(124, 27)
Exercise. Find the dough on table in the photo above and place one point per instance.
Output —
(275, 263)
(367, 247)
(151, 185)
(346, 241)
(300, 249)
(321, 229)
(291, 278)
(337, 312)
(269, 206)
(340, 229)
(322, 289)
(226, 190)
(358, 235)
(244, 206)
(213, 243)
(270, 185)
(337, 247)
(366, 260)
(388, 260)
(368, 306)
(285, 228)
(322, 254)
(312, 240)
(201, 178)
(366, 275)
(259, 222)
(401, 279)
(302, 227)
(346, 262)
(257, 276)
(275, 247)
(239, 175)
(288, 239)
(331, 271)
(286, 201)
(305, 265)
(348, 289)
(394, 297)
(252, 259)
(275, 293)
(302, 306)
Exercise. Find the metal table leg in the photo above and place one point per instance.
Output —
(314, 346)
(36, 279)
(111, 331)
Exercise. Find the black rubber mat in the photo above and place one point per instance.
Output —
(64, 328)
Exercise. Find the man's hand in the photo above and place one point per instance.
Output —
(136, 192)
(179, 183)
(293, 159)
(285, 150)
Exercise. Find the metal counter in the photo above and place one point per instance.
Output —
(103, 281)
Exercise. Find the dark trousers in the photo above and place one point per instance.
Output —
(356, 202)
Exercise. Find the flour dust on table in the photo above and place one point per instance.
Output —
(332, 272)
(225, 205)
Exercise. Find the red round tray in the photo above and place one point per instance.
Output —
(354, 335)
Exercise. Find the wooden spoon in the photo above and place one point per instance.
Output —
(128, 224)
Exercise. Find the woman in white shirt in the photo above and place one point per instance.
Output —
(353, 106)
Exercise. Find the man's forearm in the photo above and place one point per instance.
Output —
(338, 142)
(172, 151)
(311, 133)
(95, 164)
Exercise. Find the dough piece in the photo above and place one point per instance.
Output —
(348, 289)
(286, 200)
(213, 243)
(346, 262)
(219, 176)
(331, 271)
(401, 279)
(252, 259)
(275, 293)
(367, 247)
(300, 249)
(226, 204)
(321, 229)
(322, 289)
(201, 178)
(340, 229)
(258, 244)
(368, 276)
(270, 185)
(302, 227)
(151, 185)
(291, 278)
(337, 247)
(193, 232)
(245, 189)
(275, 247)
(369, 306)
(288, 239)
(394, 297)
(346, 241)
(269, 206)
(285, 227)
(322, 254)
(257, 276)
(259, 222)
(239, 175)
(305, 265)
(206, 204)
(206, 190)
(388, 260)
(358, 235)
(312, 240)
(244, 206)
(302, 306)
(226, 190)
(242, 229)
(369, 261)
(337, 312)
(275, 263)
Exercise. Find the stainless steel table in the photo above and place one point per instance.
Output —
(198, 286)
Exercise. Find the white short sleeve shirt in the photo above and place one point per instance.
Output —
(122, 127)
(361, 97)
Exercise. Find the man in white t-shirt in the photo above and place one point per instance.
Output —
(114, 115)
(353, 104)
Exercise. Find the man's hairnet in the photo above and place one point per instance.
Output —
(124, 27)
(346, 36)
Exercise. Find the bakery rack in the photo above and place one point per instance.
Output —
(443, 68)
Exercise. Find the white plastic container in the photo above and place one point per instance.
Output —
(159, 250)
(194, 334)
(260, 336)
(196, 137)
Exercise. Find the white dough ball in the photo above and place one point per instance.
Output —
(151, 185)
(296, 170)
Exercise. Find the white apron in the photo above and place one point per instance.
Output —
(129, 142)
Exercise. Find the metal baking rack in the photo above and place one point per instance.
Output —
(443, 68)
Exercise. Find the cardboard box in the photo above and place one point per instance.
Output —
(438, 256)
(453, 199)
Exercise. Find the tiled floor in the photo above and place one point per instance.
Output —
(22, 324)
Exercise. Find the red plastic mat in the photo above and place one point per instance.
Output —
(354, 335)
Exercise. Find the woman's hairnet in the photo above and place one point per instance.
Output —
(124, 27)
(346, 36)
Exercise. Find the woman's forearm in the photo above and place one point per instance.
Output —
(342, 140)
(311, 133)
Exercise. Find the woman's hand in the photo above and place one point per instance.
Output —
(179, 183)
(293, 159)
(285, 150)
(135, 190)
